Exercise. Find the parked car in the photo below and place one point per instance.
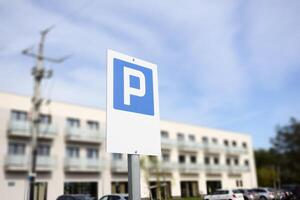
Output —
(75, 197)
(248, 194)
(293, 189)
(225, 194)
(265, 193)
(115, 197)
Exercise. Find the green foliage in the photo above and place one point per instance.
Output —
(281, 163)
(286, 146)
(266, 176)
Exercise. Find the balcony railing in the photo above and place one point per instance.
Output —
(84, 135)
(188, 145)
(238, 169)
(167, 143)
(214, 168)
(190, 167)
(236, 150)
(161, 166)
(19, 128)
(22, 163)
(83, 165)
(212, 148)
(23, 129)
(119, 166)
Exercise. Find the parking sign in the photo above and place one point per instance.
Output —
(132, 106)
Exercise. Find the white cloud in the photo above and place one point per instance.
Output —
(212, 55)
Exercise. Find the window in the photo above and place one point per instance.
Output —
(215, 140)
(92, 125)
(237, 183)
(43, 150)
(114, 198)
(165, 157)
(117, 156)
(15, 148)
(45, 119)
(192, 138)
(19, 115)
(193, 159)
(206, 160)
(226, 143)
(92, 153)
(73, 152)
(181, 159)
(180, 137)
(205, 140)
(244, 145)
(72, 122)
(241, 183)
(247, 163)
(236, 161)
(164, 134)
(228, 161)
(216, 160)
(234, 143)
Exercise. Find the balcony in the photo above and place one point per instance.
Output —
(22, 163)
(83, 165)
(47, 131)
(162, 167)
(192, 168)
(236, 150)
(187, 145)
(119, 166)
(75, 134)
(23, 129)
(167, 143)
(238, 169)
(212, 148)
(214, 169)
(19, 128)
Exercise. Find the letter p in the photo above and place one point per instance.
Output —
(128, 90)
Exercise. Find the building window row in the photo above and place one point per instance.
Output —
(205, 140)
(19, 115)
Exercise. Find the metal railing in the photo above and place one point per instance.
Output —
(23, 128)
(190, 167)
(119, 165)
(83, 164)
(22, 162)
(84, 134)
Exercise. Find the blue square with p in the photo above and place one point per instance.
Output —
(133, 87)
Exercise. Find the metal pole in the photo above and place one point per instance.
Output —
(134, 185)
(38, 73)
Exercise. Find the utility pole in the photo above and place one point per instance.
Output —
(38, 73)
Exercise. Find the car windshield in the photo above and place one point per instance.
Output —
(270, 190)
(126, 198)
(237, 191)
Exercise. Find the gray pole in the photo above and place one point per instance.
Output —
(134, 185)
(38, 73)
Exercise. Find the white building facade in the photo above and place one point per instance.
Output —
(72, 158)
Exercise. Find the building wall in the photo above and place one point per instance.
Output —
(15, 183)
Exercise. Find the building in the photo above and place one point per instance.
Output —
(72, 157)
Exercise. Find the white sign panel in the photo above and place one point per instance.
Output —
(132, 109)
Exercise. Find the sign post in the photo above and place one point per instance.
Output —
(132, 113)
(134, 184)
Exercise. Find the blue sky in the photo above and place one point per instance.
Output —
(233, 65)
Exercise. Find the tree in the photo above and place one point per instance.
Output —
(266, 164)
(286, 147)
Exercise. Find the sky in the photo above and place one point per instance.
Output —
(232, 65)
